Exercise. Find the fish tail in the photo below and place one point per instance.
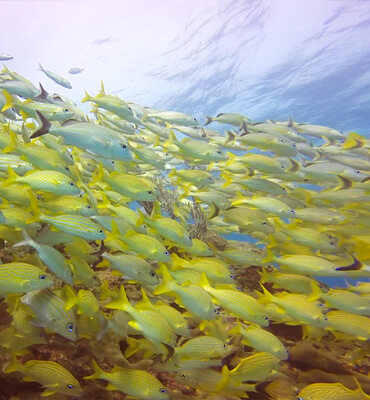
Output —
(204, 281)
(142, 218)
(45, 126)
(97, 176)
(13, 366)
(208, 120)
(167, 284)
(264, 275)
(86, 98)
(239, 199)
(267, 297)
(133, 347)
(353, 141)
(171, 139)
(28, 241)
(122, 303)
(228, 179)
(98, 372)
(316, 292)
(12, 145)
(102, 89)
(230, 137)
(9, 100)
(71, 298)
(224, 380)
(12, 178)
(269, 256)
(41, 68)
(344, 183)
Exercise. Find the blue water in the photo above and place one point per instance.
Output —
(263, 58)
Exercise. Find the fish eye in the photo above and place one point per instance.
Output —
(281, 140)
(70, 327)
(292, 211)
(332, 244)
(66, 110)
(189, 237)
(42, 277)
(163, 390)
(194, 119)
(71, 183)
(144, 226)
(66, 168)
(283, 189)
(232, 277)
(151, 273)
(224, 345)
(286, 351)
(264, 223)
(167, 253)
(210, 178)
(156, 188)
(80, 196)
(219, 152)
(88, 207)
(101, 231)
(325, 318)
(112, 162)
(124, 146)
(188, 327)
(129, 108)
(266, 318)
(70, 387)
(150, 192)
(357, 172)
(183, 376)
(294, 145)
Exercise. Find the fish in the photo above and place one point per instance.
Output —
(133, 382)
(192, 297)
(331, 391)
(150, 323)
(51, 375)
(237, 303)
(50, 313)
(5, 57)
(261, 340)
(87, 136)
(51, 257)
(18, 278)
(75, 70)
(56, 78)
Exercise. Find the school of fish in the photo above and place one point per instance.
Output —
(118, 223)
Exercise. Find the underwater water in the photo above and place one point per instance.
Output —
(185, 200)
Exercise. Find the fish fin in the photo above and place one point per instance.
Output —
(9, 100)
(208, 120)
(142, 218)
(43, 93)
(98, 176)
(98, 372)
(13, 366)
(86, 98)
(47, 392)
(316, 292)
(267, 297)
(269, 256)
(353, 141)
(204, 283)
(134, 325)
(224, 380)
(167, 284)
(71, 298)
(27, 240)
(111, 387)
(12, 178)
(344, 183)
(264, 275)
(45, 126)
(230, 137)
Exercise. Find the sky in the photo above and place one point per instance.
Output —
(263, 58)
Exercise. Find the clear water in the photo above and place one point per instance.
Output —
(262, 58)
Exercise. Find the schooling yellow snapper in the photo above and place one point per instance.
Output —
(128, 230)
